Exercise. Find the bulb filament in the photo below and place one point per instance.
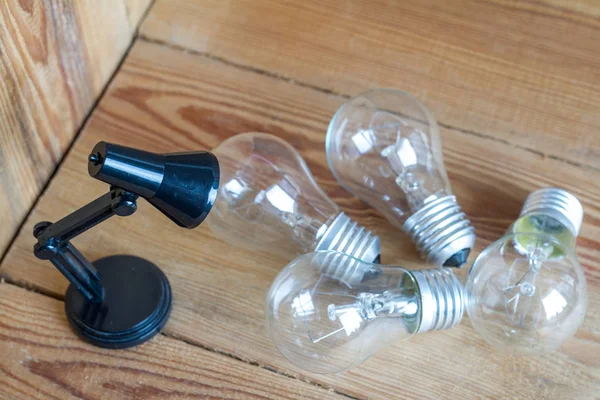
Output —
(367, 307)
(524, 288)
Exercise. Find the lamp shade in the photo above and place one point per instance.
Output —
(183, 186)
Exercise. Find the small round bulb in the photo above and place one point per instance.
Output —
(526, 293)
(384, 146)
(328, 312)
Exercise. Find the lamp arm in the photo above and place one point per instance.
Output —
(54, 239)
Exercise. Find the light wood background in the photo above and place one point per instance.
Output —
(515, 88)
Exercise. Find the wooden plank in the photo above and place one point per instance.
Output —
(41, 359)
(526, 73)
(585, 7)
(135, 10)
(168, 100)
(56, 58)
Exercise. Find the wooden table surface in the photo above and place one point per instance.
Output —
(515, 87)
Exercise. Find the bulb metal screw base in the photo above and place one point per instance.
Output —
(441, 232)
(346, 236)
(556, 203)
(442, 298)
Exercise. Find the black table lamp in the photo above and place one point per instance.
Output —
(122, 301)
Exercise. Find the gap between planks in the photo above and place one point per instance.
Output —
(257, 364)
(344, 96)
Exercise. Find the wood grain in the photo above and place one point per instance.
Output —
(41, 359)
(525, 73)
(55, 58)
(169, 100)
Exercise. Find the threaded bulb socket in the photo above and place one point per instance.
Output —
(346, 236)
(442, 298)
(441, 232)
(556, 203)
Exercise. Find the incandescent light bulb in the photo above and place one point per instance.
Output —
(526, 293)
(328, 312)
(384, 147)
(269, 200)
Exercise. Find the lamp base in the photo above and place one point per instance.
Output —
(136, 305)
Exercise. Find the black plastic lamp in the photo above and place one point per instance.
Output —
(122, 301)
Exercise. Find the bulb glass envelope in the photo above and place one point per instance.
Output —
(526, 293)
(323, 310)
(384, 147)
(385, 139)
(268, 197)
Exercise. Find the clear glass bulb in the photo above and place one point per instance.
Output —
(268, 200)
(527, 292)
(328, 312)
(384, 147)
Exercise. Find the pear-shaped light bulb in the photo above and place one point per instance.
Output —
(526, 293)
(384, 146)
(328, 312)
(268, 200)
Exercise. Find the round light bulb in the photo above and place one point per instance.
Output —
(268, 200)
(384, 146)
(526, 293)
(328, 312)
